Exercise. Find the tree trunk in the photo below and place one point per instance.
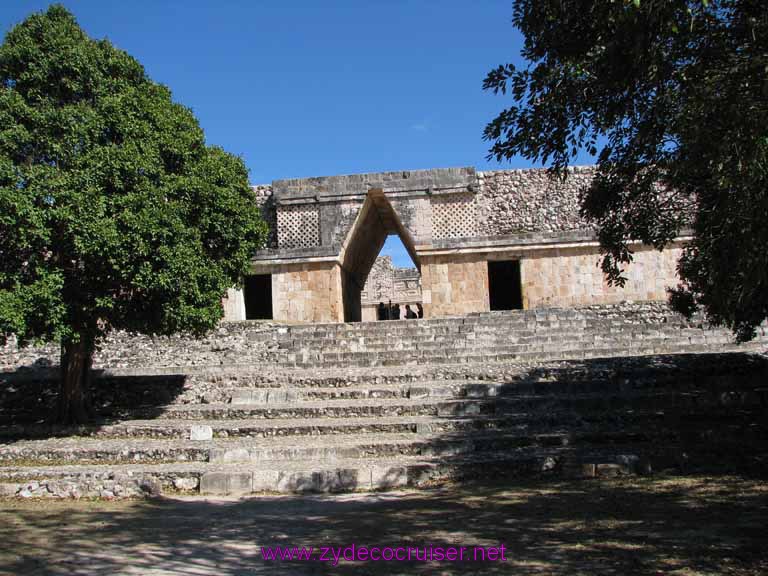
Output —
(74, 396)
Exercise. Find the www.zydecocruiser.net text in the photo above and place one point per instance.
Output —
(358, 553)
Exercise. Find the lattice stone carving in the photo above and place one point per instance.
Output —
(453, 216)
(298, 226)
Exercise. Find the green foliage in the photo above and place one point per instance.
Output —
(113, 211)
(672, 97)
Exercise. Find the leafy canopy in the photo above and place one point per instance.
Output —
(672, 97)
(113, 211)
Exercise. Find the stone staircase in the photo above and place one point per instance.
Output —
(264, 408)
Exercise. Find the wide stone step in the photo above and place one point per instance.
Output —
(524, 334)
(606, 393)
(541, 422)
(506, 354)
(423, 404)
(558, 319)
(300, 476)
(383, 445)
(364, 408)
(491, 339)
(264, 428)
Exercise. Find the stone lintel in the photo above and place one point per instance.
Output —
(335, 188)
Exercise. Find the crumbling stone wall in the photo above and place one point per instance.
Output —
(266, 202)
(515, 201)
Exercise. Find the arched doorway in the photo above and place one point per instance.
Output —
(376, 221)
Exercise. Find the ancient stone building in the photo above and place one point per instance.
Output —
(387, 283)
(480, 240)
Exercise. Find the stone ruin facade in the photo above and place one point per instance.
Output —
(388, 283)
(481, 241)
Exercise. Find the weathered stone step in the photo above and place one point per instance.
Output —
(474, 341)
(104, 451)
(724, 392)
(519, 320)
(506, 354)
(513, 320)
(299, 476)
(363, 408)
(541, 422)
(426, 405)
(435, 389)
(262, 428)
(257, 343)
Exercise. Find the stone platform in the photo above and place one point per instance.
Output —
(600, 391)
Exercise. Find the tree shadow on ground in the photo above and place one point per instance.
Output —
(684, 525)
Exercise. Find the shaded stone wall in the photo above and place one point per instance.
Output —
(515, 201)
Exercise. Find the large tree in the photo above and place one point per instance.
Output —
(672, 98)
(114, 214)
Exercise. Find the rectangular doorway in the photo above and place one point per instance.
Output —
(257, 293)
(504, 288)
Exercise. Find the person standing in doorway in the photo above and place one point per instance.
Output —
(420, 308)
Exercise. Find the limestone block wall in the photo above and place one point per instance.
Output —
(454, 285)
(457, 284)
(572, 277)
(514, 201)
(234, 305)
(307, 292)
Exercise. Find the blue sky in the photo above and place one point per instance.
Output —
(313, 88)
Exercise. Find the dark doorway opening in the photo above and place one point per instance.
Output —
(257, 293)
(504, 287)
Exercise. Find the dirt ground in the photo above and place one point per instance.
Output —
(685, 526)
